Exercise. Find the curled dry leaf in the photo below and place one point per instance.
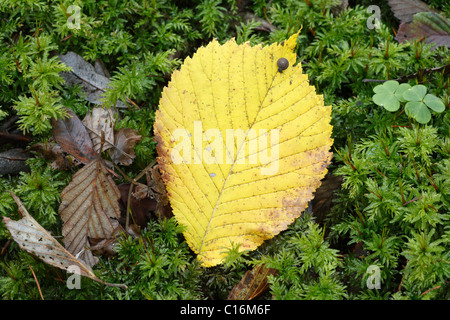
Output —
(89, 209)
(145, 199)
(100, 121)
(53, 152)
(140, 206)
(124, 141)
(72, 136)
(33, 238)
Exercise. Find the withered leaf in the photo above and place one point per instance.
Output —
(72, 136)
(84, 74)
(89, 209)
(100, 121)
(404, 10)
(124, 141)
(140, 207)
(13, 161)
(432, 27)
(53, 152)
(253, 283)
(33, 238)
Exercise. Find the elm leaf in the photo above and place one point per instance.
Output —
(89, 209)
(227, 191)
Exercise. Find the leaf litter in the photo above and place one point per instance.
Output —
(90, 205)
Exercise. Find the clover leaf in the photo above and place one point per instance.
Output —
(390, 94)
(418, 102)
(385, 95)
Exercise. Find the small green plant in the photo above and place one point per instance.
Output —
(391, 213)
(417, 101)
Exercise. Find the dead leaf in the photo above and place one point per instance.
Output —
(252, 284)
(72, 136)
(432, 27)
(33, 238)
(141, 208)
(89, 209)
(13, 161)
(100, 121)
(404, 10)
(53, 152)
(324, 196)
(124, 141)
(83, 74)
(248, 17)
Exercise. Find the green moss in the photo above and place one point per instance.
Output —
(391, 213)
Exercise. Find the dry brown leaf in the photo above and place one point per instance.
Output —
(100, 121)
(252, 284)
(72, 136)
(33, 238)
(89, 209)
(404, 10)
(13, 161)
(124, 141)
(53, 152)
(432, 27)
(83, 74)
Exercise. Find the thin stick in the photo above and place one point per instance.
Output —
(132, 183)
(37, 282)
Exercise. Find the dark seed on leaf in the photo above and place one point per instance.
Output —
(282, 64)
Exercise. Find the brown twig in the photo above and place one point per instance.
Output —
(37, 282)
(132, 183)
(427, 291)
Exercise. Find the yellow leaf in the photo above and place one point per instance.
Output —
(242, 145)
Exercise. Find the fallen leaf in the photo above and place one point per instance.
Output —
(434, 28)
(324, 196)
(72, 136)
(253, 283)
(248, 17)
(124, 141)
(141, 208)
(84, 74)
(404, 10)
(240, 191)
(89, 209)
(33, 238)
(53, 152)
(145, 199)
(13, 161)
(100, 122)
